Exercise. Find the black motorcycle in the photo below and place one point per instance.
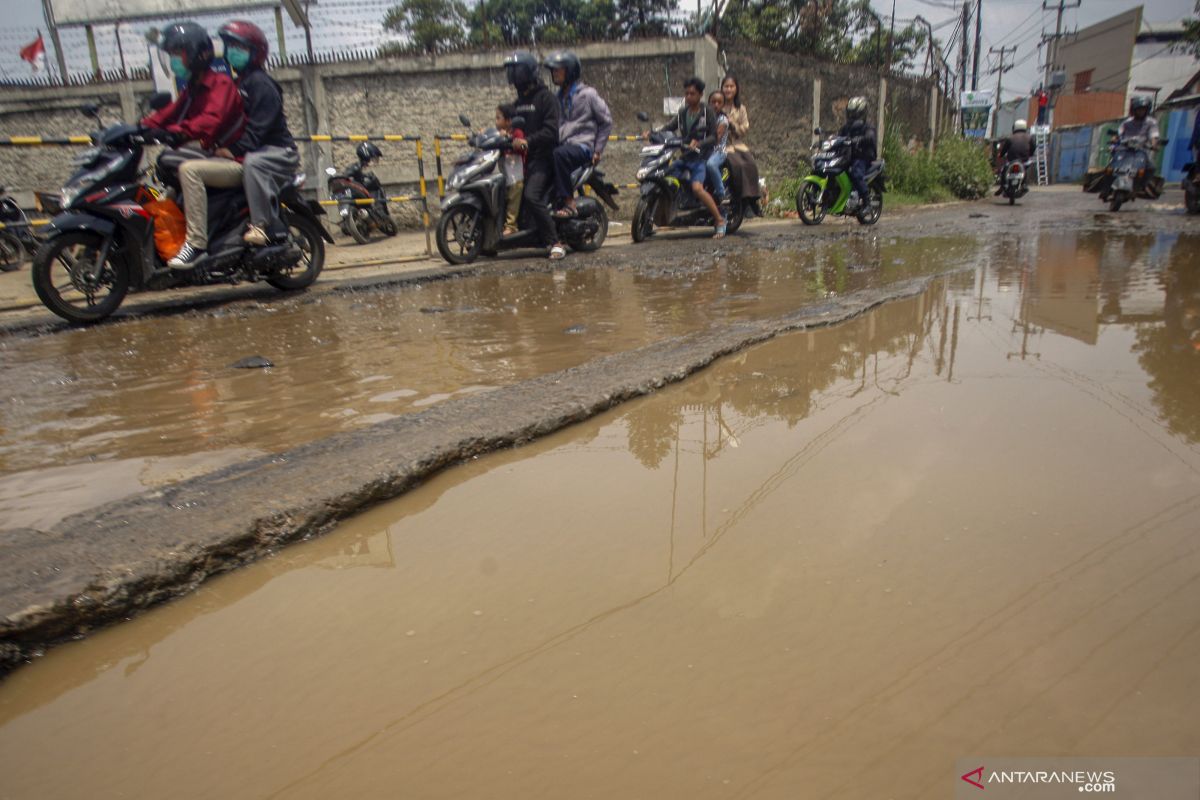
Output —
(1191, 187)
(17, 238)
(473, 211)
(668, 202)
(1014, 182)
(1129, 174)
(102, 244)
(362, 203)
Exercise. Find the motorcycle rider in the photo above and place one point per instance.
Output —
(1139, 123)
(1016, 147)
(208, 114)
(583, 127)
(862, 150)
(696, 123)
(266, 148)
(537, 106)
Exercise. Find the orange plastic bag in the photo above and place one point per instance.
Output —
(170, 227)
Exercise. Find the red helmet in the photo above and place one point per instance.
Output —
(249, 36)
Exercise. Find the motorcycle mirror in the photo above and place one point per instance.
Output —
(330, 171)
(159, 101)
(90, 110)
(817, 131)
(643, 116)
(465, 120)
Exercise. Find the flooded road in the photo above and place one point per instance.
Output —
(828, 566)
(87, 413)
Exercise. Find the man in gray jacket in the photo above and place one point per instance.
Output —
(584, 125)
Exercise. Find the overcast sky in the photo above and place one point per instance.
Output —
(357, 22)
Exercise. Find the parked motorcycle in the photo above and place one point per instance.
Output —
(1129, 173)
(473, 210)
(362, 203)
(826, 190)
(1191, 187)
(102, 245)
(17, 239)
(666, 201)
(1013, 182)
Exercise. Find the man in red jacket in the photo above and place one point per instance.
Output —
(208, 115)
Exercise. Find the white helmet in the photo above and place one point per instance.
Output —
(856, 108)
(1020, 125)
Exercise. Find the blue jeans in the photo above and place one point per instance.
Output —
(858, 179)
(567, 159)
(713, 165)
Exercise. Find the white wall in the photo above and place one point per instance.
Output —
(1162, 67)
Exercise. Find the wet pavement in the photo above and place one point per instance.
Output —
(828, 566)
(97, 414)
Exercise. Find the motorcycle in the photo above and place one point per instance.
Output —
(826, 190)
(1129, 173)
(473, 211)
(362, 204)
(1191, 187)
(17, 238)
(666, 202)
(1013, 184)
(102, 244)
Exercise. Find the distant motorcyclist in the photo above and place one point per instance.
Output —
(696, 123)
(1140, 124)
(537, 106)
(207, 115)
(1018, 146)
(266, 148)
(863, 149)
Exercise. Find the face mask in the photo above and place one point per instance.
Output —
(179, 69)
(238, 58)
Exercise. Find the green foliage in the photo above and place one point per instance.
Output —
(964, 167)
(431, 26)
(914, 173)
(1190, 43)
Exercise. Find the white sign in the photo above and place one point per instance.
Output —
(977, 99)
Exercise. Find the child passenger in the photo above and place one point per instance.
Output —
(514, 167)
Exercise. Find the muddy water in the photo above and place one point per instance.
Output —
(828, 566)
(163, 387)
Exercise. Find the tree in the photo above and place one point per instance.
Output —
(1191, 37)
(638, 18)
(431, 26)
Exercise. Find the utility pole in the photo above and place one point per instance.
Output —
(891, 37)
(964, 47)
(1052, 54)
(978, 43)
(48, 13)
(1000, 70)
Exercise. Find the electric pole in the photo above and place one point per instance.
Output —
(48, 13)
(978, 44)
(964, 46)
(1000, 70)
(1052, 54)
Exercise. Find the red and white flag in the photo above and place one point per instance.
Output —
(35, 53)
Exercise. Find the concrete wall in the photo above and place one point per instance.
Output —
(424, 96)
(1106, 48)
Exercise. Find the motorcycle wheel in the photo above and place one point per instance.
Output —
(1012, 199)
(643, 218)
(1191, 200)
(345, 226)
(303, 273)
(12, 253)
(459, 237)
(1117, 200)
(594, 241)
(389, 227)
(870, 213)
(359, 225)
(735, 217)
(68, 294)
(808, 204)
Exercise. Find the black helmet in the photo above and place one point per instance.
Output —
(565, 59)
(367, 151)
(520, 68)
(190, 40)
(1139, 102)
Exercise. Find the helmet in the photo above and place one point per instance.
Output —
(247, 35)
(520, 68)
(565, 59)
(368, 151)
(856, 108)
(190, 40)
(1020, 125)
(1140, 102)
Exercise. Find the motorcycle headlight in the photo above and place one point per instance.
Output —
(458, 178)
(643, 172)
(69, 194)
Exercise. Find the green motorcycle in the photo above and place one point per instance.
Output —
(826, 190)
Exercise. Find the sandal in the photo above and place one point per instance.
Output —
(558, 252)
(509, 232)
(566, 213)
(720, 231)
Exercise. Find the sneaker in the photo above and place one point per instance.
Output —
(186, 258)
(256, 237)
(852, 204)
